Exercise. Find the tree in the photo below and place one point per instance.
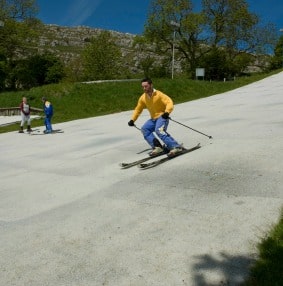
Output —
(36, 70)
(18, 10)
(230, 25)
(150, 61)
(159, 29)
(3, 71)
(277, 60)
(20, 26)
(18, 32)
(226, 25)
(102, 58)
(215, 64)
(73, 70)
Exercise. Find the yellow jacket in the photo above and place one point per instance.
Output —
(157, 104)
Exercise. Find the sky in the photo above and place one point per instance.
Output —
(129, 16)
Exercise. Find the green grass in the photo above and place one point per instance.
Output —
(268, 269)
(76, 101)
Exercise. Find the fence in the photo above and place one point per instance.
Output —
(11, 111)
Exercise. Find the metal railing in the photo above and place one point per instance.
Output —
(11, 111)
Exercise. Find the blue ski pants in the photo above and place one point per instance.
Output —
(159, 127)
(47, 122)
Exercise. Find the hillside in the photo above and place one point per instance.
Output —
(68, 43)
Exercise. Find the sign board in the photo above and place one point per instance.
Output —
(200, 72)
(1, 23)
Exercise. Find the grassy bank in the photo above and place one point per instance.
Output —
(268, 270)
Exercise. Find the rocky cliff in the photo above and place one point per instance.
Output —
(68, 42)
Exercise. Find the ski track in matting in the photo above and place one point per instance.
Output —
(69, 215)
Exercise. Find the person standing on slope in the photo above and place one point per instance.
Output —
(25, 114)
(159, 106)
(48, 111)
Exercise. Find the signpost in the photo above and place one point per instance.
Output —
(200, 72)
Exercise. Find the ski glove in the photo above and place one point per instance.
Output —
(165, 115)
(131, 123)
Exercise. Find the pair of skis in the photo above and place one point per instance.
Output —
(143, 165)
(54, 131)
(36, 131)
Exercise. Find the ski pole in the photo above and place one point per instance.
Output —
(137, 127)
(210, 137)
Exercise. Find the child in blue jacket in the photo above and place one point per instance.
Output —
(48, 111)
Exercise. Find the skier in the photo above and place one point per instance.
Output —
(159, 106)
(48, 111)
(25, 113)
